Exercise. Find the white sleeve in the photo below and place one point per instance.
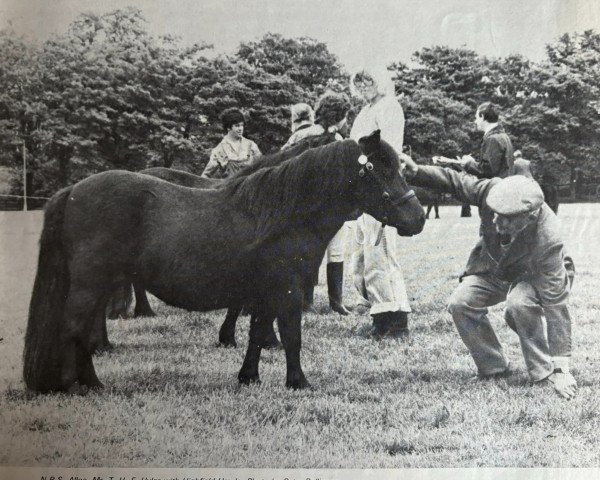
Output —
(390, 120)
(356, 130)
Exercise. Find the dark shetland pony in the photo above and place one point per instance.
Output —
(120, 301)
(198, 249)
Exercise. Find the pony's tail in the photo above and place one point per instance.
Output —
(42, 354)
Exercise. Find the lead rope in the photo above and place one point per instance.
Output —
(380, 234)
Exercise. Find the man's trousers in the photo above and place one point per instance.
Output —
(524, 314)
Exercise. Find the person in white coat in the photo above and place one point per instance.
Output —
(377, 272)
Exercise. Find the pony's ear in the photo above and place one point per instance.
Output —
(371, 140)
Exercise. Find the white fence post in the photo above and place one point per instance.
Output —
(24, 179)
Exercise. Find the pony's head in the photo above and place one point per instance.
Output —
(382, 191)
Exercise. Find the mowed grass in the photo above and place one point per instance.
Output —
(172, 397)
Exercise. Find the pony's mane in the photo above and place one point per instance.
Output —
(296, 188)
(271, 159)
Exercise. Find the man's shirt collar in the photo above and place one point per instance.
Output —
(490, 127)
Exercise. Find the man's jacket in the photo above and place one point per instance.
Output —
(496, 156)
(536, 255)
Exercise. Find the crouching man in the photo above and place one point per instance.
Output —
(519, 258)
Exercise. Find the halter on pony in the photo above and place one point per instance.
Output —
(367, 167)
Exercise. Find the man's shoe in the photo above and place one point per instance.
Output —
(493, 376)
(399, 320)
(397, 325)
(380, 326)
(390, 325)
(400, 333)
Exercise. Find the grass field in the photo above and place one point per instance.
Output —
(172, 397)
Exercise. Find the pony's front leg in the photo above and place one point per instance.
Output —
(259, 326)
(290, 330)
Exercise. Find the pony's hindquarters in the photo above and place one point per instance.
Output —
(42, 358)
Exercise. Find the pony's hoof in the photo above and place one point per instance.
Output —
(227, 342)
(271, 342)
(77, 389)
(298, 384)
(245, 379)
(105, 347)
(309, 308)
(341, 309)
(96, 386)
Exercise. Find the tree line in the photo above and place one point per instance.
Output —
(107, 94)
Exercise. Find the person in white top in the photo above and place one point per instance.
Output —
(377, 273)
(234, 151)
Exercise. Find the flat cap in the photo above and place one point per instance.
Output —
(515, 195)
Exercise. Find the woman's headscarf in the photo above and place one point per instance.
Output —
(380, 76)
(302, 114)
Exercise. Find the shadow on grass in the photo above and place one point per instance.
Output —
(153, 345)
(405, 447)
(170, 381)
(402, 377)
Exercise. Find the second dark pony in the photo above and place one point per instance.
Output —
(121, 299)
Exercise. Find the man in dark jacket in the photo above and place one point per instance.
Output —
(496, 154)
(519, 258)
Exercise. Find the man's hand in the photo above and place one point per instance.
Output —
(410, 167)
(445, 161)
(564, 384)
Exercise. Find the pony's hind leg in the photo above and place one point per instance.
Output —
(119, 301)
(290, 330)
(291, 337)
(86, 373)
(270, 339)
(99, 341)
(259, 326)
(81, 313)
(142, 305)
(227, 330)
